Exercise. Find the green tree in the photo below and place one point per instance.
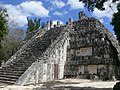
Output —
(11, 44)
(116, 22)
(33, 24)
(42, 25)
(91, 4)
(3, 24)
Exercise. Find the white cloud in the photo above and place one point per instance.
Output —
(57, 13)
(16, 15)
(108, 12)
(19, 13)
(35, 8)
(75, 4)
(50, 8)
(100, 14)
(58, 3)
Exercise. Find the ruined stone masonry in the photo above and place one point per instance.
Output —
(82, 49)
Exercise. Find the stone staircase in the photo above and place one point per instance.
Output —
(29, 53)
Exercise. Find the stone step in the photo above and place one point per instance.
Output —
(8, 82)
(8, 79)
(12, 70)
(19, 66)
(12, 73)
(21, 63)
(10, 76)
(15, 68)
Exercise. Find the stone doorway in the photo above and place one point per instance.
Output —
(55, 71)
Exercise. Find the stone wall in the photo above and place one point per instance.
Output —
(90, 53)
(102, 72)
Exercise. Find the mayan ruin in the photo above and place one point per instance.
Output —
(82, 49)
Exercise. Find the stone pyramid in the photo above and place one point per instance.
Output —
(80, 49)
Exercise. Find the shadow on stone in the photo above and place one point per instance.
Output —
(74, 88)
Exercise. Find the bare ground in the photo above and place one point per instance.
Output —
(65, 84)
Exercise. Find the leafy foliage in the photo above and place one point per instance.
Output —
(116, 22)
(91, 4)
(11, 44)
(10, 38)
(3, 25)
(33, 24)
(42, 25)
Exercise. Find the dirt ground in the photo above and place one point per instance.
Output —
(73, 88)
(65, 84)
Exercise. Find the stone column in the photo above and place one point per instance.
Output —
(70, 20)
(48, 25)
(51, 24)
(67, 23)
(58, 23)
(82, 16)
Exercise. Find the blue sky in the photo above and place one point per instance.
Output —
(62, 10)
